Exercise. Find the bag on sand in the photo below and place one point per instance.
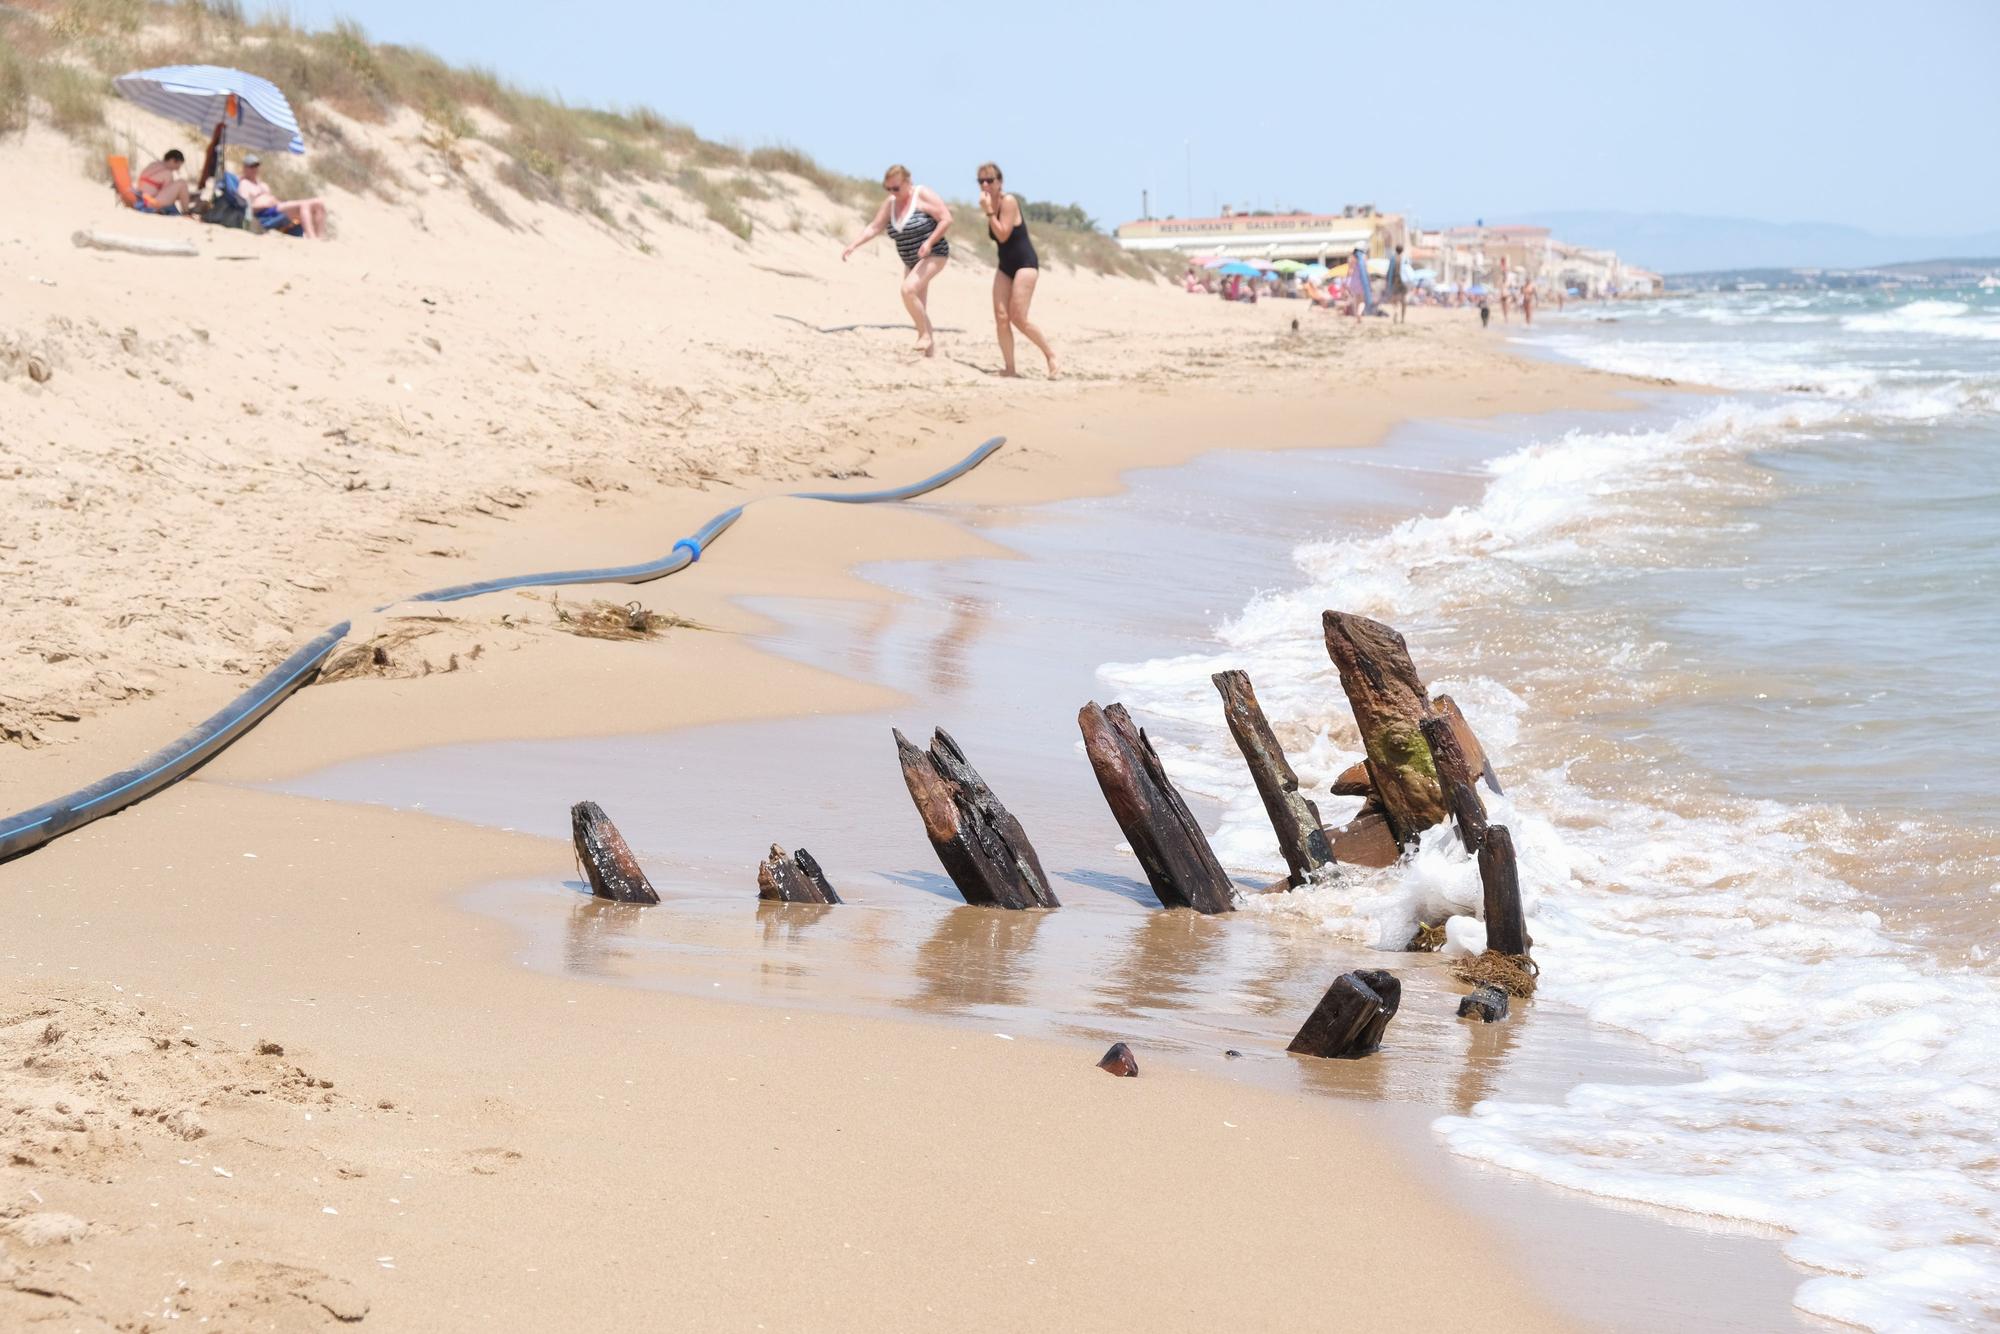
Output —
(225, 210)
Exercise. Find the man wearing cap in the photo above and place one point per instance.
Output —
(276, 214)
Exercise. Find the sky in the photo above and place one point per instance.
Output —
(1870, 115)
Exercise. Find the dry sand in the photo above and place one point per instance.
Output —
(226, 456)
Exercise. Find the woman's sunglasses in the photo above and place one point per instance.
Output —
(989, 180)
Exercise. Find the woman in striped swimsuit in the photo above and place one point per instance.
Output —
(918, 219)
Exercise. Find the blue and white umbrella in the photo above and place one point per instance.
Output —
(200, 95)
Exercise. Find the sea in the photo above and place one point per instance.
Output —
(1738, 663)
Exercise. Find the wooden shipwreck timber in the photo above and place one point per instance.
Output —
(1422, 767)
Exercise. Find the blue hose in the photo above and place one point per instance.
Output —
(31, 828)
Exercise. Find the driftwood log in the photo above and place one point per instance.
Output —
(1476, 757)
(608, 863)
(1349, 1020)
(784, 877)
(1500, 879)
(1455, 779)
(982, 846)
(132, 245)
(1169, 844)
(1301, 837)
(1389, 704)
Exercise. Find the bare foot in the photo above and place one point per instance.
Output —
(1010, 374)
(927, 347)
(1054, 374)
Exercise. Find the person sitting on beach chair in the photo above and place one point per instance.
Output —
(294, 217)
(158, 189)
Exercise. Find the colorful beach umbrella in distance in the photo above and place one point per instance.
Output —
(1216, 262)
(1288, 266)
(1237, 268)
(1315, 271)
(253, 113)
(1477, 289)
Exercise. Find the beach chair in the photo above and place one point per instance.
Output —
(231, 188)
(121, 181)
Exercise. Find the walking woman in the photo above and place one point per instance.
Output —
(1014, 282)
(918, 219)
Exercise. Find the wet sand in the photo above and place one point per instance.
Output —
(999, 647)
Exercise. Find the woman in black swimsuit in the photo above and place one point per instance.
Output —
(1014, 284)
(918, 219)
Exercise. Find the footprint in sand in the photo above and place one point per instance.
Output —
(489, 1162)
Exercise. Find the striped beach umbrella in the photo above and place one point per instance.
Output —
(252, 110)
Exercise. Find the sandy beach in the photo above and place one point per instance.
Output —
(265, 1070)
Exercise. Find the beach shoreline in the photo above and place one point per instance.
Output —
(167, 887)
(415, 864)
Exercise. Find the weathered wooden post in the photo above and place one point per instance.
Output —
(1389, 703)
(982, 846)
(1169, 844)
(1461, 798)
(1351, 1017)
(785, 878)
(1476, 757)
(1301, 837)
(1500, 879)
(608, 863)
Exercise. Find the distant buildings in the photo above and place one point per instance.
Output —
(1303, 236)
(1497, 256)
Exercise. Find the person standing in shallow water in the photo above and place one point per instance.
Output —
(1020, 270)
(918, 219)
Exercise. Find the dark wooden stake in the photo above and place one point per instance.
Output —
(785, 878)
(1120, 1061)
(612, 869)
(1487, 1004)
(1164, 836)
(982, 846)
(1476, 757)
(1500, 878)
(1301, 836)
(1349, 1020)
(1389, 704)
(1461, 798)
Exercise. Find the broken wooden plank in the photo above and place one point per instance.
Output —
(1169, 844)
(607, 862)
(1353, 782)
(1365, 841)
(1500, 879)
(1475, 754)
(785, 877)
(983, 847)
(1389, 703)
(1301, 837)
(1350, 1018)
(1455, 779)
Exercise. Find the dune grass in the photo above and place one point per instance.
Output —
(61, 53)
(13, 92)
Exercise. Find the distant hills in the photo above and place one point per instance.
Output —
(1674, 243)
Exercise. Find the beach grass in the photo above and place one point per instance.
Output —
(61, 55)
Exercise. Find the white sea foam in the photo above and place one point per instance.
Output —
(1941, 319)
(1849, 1086)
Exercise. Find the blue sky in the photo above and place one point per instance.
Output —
(1879, 116)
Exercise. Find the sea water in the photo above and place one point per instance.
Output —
(1740, 673)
